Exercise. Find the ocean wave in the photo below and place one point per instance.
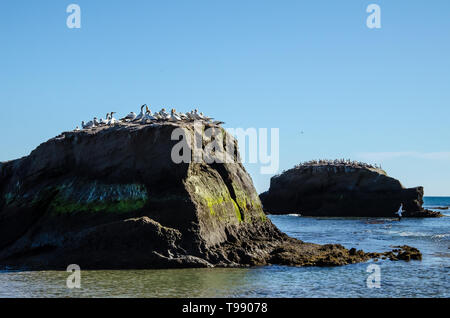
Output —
(439, 236)
(437, 208)
(415, 234)
(419, 234)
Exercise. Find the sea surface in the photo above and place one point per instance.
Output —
(427, 278)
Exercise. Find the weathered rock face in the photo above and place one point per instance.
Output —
(340, 190)
(114, 198)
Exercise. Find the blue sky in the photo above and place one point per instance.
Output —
(378, 95)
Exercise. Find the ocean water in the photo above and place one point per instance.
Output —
(431, 202)
(426, 278)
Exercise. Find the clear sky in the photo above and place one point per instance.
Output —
(378, 95)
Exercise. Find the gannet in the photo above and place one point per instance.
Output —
(148, 116)
(88, 125)
(96, 121)
(77, 129)
(200, 116)
(112, 120)
(130, 117)
(104, 121)
(163, 114)
(191, 115)
(183, 116)
(173, 116)
(205, 118)
(141, 114)
(400, 211)
(196, 115)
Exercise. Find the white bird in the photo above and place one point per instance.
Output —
(103, 121)
(148, 117)
(96, 122)
(112, 120)
(197, 115)
(205, 118)
(200, 116)
(189, 115)
(141, 114)
(173, 116)
(77, 129)
(88, 125)
(192, 115)
(183, 116)
(130, 117)
(163, 114)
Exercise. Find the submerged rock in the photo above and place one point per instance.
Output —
(404, 253)
(113, 198)
(341, 190)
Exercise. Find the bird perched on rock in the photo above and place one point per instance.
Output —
(112, 120)
(130, 117)
(157, 116)
(196, 115)
(88, 125)
(173, 116)
(183, 116)
(141, 114)
(163, 114)
(148, 116)
(102, 121)
(206, 118)
(190, 115)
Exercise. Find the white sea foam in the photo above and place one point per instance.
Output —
(439, 236)
(412, 234)
(419, 234)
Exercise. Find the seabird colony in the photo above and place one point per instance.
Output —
(146, 116)
(338, 162)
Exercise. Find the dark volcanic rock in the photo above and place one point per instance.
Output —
(341, 190)
(113, 198)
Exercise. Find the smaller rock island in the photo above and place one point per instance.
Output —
(341, 188)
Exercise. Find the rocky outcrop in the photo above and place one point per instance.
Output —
(113, 198)
(341, 190)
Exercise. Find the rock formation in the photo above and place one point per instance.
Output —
(113, 198)
(341, 190)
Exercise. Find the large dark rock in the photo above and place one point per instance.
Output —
(341, 190)
(113, 198)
